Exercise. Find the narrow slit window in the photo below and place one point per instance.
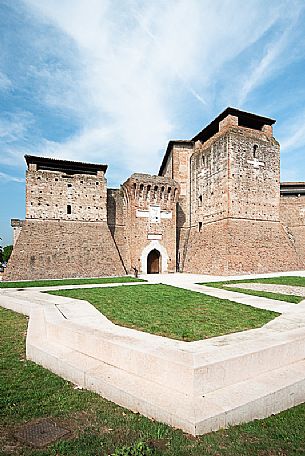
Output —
(255, 147)
(199, 226)
(69, 209)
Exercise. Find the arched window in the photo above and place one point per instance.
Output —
(148, 191)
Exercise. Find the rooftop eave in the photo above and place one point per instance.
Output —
(55, 164)
(213, 127)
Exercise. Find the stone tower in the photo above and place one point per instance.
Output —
(229, 221)
(142, 218)
(65, 233)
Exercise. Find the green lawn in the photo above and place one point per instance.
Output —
(28, 392)
(53, 283)
(171, 312)
(286, 280)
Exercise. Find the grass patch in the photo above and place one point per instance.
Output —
(171, 312)
(285, 280)
(53, 283)
(27, 391)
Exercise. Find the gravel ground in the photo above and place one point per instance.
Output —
(284, 289)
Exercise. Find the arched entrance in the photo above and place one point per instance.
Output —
(153, 262)
(163, 257)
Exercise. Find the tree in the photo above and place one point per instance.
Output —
(7, 250)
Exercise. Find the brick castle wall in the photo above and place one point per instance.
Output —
(116, 219)
(215, 208)
(62, 249)
(48, 194)
(292, 215)
(233, 246)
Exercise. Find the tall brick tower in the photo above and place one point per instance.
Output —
(65, 233)
(231, 221)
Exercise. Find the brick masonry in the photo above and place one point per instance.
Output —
(60, 248)
(65, 233)
(292, 214)
(216, 207)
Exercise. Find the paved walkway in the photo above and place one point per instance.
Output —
(72, 287)
(191, 281)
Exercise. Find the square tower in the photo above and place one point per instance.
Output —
(235, 193)
(65, 190)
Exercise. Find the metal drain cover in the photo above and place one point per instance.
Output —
(41, 433)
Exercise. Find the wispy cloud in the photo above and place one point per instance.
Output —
(5, 82)
(136, 61)
(271, 61)
(14, 125)
(112, 81)
(294, 137)
(14, 131)
(8, 178)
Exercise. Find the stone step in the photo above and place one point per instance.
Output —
(202, 372)
(246, 359)
(256, 398)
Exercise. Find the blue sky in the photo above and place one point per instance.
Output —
(112, 81)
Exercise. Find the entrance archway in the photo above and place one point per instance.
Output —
(163, 259)
(153, 262)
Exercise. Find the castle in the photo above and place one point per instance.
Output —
(216, 207)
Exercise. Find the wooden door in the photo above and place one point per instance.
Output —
(153, 262)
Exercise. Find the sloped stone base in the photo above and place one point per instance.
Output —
(235, 246)
(62, 249)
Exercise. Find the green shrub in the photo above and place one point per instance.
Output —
(7, 250)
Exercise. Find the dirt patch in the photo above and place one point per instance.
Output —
(158, 444)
